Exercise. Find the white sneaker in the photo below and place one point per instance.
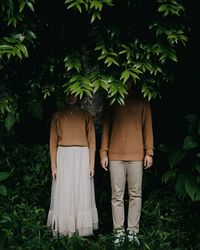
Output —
(119, 238)
(132, 237)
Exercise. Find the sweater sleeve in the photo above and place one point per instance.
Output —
(91, 138)
(53, 143)
(147, 129)
(105, 137)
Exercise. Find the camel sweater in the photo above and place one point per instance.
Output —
(72, 127)
(127, 132)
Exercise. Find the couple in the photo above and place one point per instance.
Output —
(126, 147)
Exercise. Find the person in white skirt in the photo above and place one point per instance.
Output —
(72, 152)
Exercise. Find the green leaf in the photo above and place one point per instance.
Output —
(23, 49)
(93, 18)
(134, 76)
(75, 78)
(6, 47)
(30, 5)
(125, 75)
(68, 1)
(192, 188)
(180, 186)
(78, 6)
(3, 190)
(189, 143)
(176, 157)
(71, 5)
(104, 85)
(10, 39)
(4, 175)
(20, 37)
(10, 120)
(18, 52)
(172, 56)
(101, 56)
(8, 55)
(32, 35)
(170, 174)
(22, 4)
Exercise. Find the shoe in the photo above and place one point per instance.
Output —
(132, 237)
(119, 238)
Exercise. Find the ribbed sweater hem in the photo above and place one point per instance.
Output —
(76, 145)
(125, 157)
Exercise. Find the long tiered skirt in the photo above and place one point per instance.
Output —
(73, 207)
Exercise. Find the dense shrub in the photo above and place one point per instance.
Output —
(166, 221)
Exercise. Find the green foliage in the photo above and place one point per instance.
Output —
(14, 11)
(13, 48)
(79, 85)
(165, 224)
(15, 39)
(9, 115)
(170, 7)
(99, 54)
(93, 7)
(3, 176)
(13, 44)
(29, 172)
(184, 162)
(48, 48)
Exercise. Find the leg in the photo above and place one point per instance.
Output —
(134, 177)
(118, 180)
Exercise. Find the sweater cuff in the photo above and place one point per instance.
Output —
(149, 152)
(92, 158)
(103, 153)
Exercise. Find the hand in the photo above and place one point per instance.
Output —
(148, 161)
(54, 172)
(104, 163)
(91, 172)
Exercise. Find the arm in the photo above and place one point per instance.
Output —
(105, 140)
(91, 138)
(147, 135)
(53, 143)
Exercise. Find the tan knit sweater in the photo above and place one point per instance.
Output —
(72, 127)
(127, 132)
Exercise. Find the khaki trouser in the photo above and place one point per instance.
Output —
(120, 172)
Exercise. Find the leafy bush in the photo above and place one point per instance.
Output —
(169, 223)
(184, 162)
(166, 223)
(3, 176)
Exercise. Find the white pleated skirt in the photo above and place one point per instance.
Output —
(72, 206)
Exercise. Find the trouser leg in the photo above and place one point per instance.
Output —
(134, 178)
(118, 180)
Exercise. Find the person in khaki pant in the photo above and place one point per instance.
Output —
(127, 147)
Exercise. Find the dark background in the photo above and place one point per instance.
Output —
(182, 96)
